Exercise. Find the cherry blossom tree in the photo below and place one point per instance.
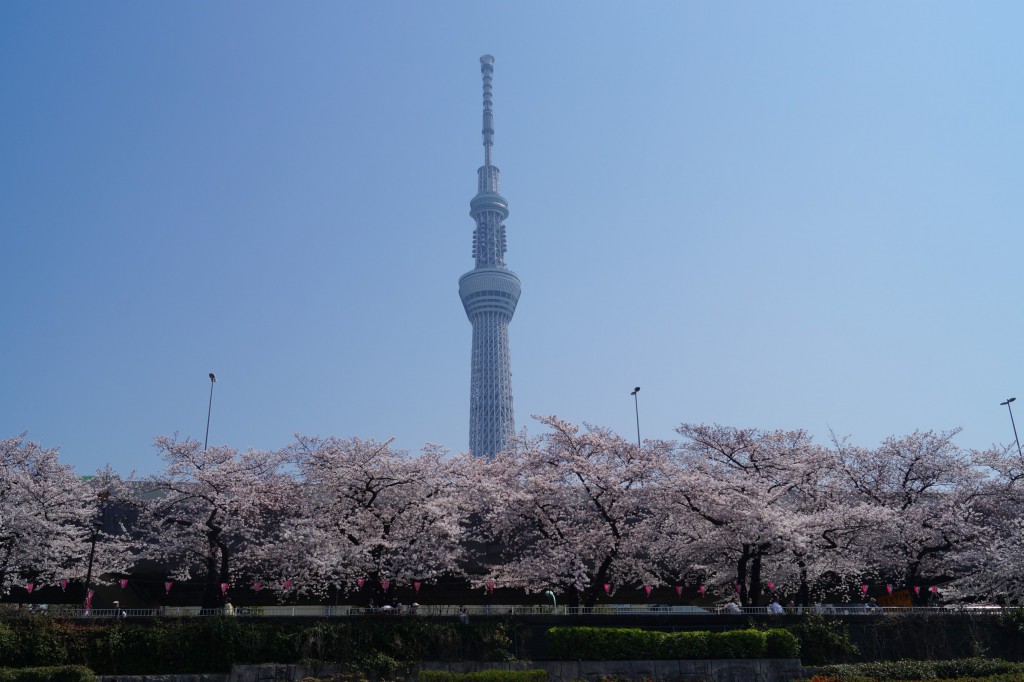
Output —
(572, 510)
(44, 515)
(744, 500)
(210, 510)
(112, 548)
(371, 512)
(921, 495)
(989, 568)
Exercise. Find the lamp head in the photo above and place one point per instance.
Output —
(635, 391)
(1008, 401)
(213, 377)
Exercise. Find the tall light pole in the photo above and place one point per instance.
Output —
(1007, 403)
(209, 411)
(636, 406)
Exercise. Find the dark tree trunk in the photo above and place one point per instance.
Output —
(216, 565)
(741, 575)
(755, 579)
(911, 580)
(804, 596)
(597, 584)
(573, 596)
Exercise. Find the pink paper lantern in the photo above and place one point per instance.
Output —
(679, 590)
(30, 587)
(771, 586)
(385, 584)
(287, 584)
(123, 582)
(917, 589)
(167, 587)
(863, 589)
(416, 585)
(737, 586)
(361, 582)
(934, 589)
(888, 588)
(64, 584)
(88, 599)
(607, 588)
(647, 590)
(702, 590)
(223, 588)
(490, 586)
(257, 585)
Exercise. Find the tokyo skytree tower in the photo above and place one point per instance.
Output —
(489, 294)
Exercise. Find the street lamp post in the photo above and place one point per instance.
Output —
(209, 411)
(636, 406)
(1007, 403)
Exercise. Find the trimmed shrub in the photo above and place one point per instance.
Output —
(610, 644)
(485, 676)
(605, 644)
(824, 641)
(781, 643)
(56, 673)
(737, 644)
(687, 645)
(975, 667)
(381, 665)
(1008, 677)
(964, 668)
(213, 644)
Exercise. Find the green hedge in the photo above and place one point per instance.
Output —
(485, 676)
(604, 644)
(781, 644)
(213, 644)
(55, 673)
(962, 668)
(1008, 677)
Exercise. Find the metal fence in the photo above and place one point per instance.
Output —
(455, 611)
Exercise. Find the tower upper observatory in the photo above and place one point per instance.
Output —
(489, 293)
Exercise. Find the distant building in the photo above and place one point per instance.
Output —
(489, 293)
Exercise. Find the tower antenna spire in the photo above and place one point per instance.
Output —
(487, 69)
(489, 293)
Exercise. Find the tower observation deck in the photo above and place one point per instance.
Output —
(489, 293)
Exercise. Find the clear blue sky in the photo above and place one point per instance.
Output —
(781, 215)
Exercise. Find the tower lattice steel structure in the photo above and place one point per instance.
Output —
(489, 292)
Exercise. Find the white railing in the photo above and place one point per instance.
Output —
(476, 611)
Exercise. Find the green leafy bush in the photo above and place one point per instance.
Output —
(687, 645)
(587, 643)
(1008, 677)
(213, 644)
(57, 673)
(737, 644)
(780, 643)
(381, 665)
(964, 668)
(485, 676)
(824, 641)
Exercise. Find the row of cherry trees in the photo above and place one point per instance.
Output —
(577, 510)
